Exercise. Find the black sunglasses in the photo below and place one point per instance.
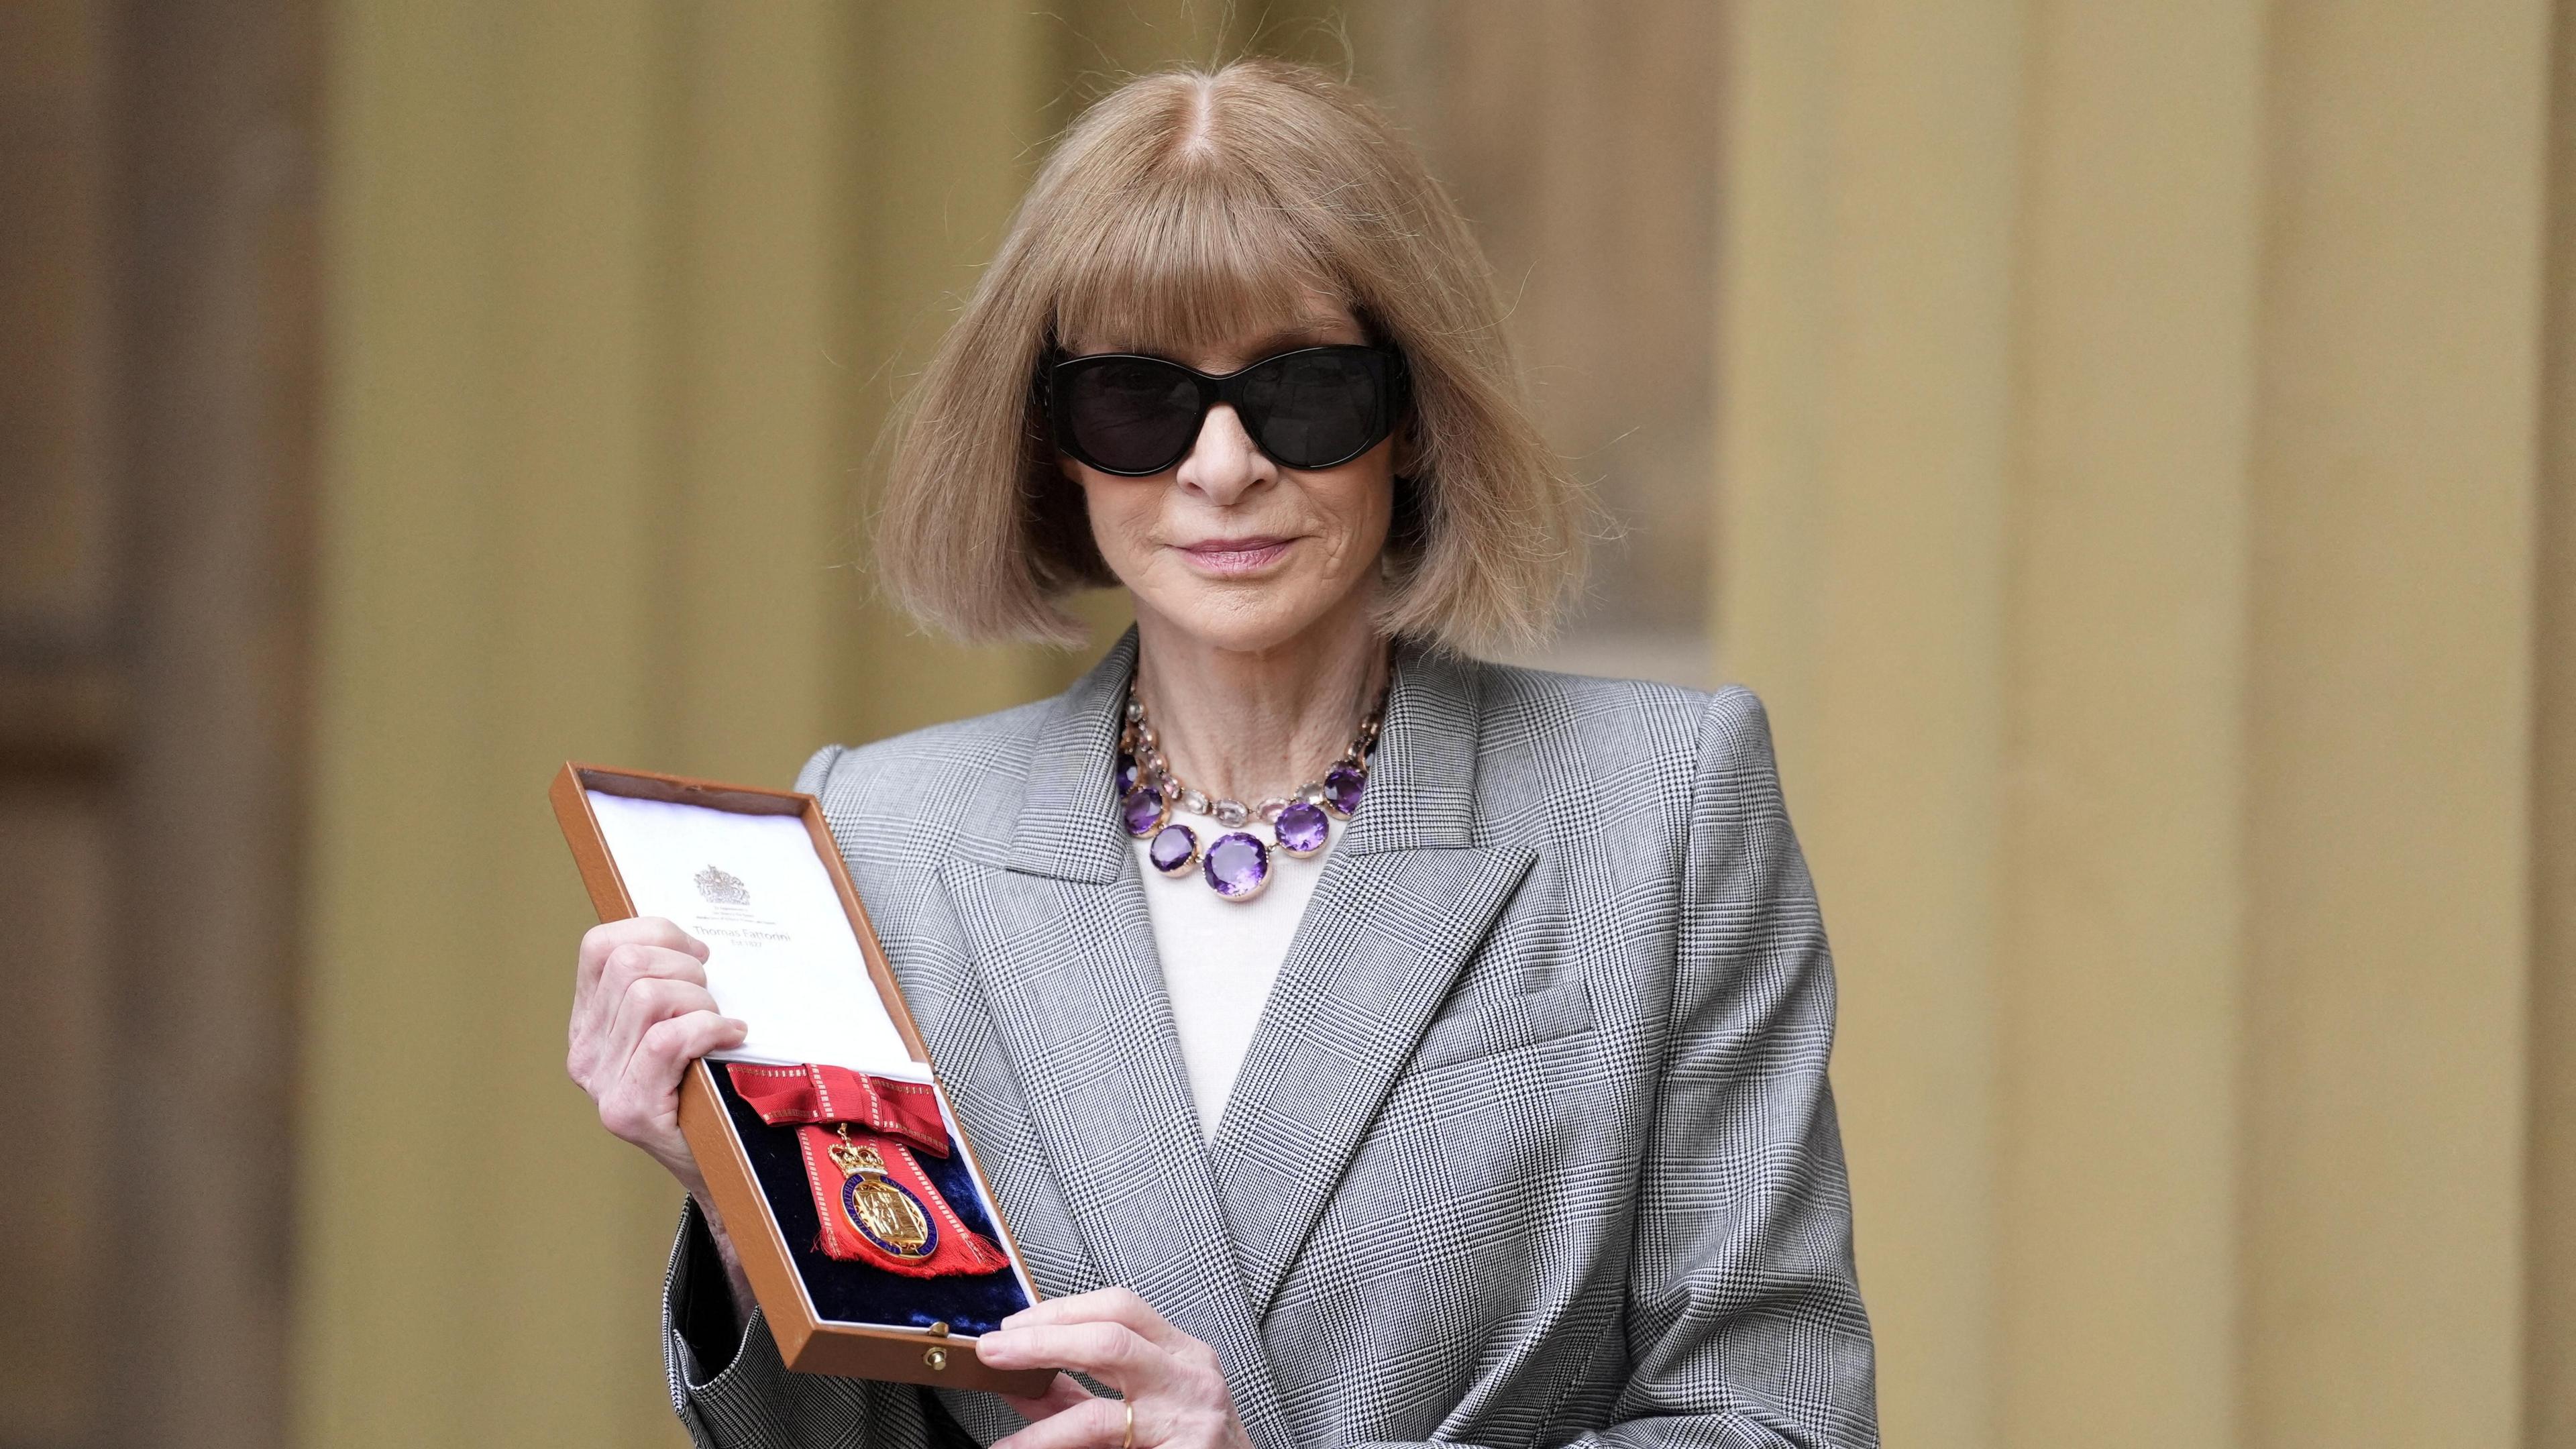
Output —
(1316, 407)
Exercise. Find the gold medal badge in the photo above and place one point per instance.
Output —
(883, 1212)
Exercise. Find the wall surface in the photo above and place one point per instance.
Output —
(2549, 1235)
(157, 290)
(2128, 470)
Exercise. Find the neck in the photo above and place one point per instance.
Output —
(1254, 724)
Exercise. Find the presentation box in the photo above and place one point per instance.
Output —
(755, 874)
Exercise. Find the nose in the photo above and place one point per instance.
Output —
(1223, 464)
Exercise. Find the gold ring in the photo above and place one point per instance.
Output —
(1128, 1439)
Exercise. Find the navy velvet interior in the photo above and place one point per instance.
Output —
(860, 1292)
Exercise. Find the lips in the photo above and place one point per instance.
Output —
(1227, 556)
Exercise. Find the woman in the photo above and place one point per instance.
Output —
(1495, 1113)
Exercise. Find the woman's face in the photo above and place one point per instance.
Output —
(1231, 549)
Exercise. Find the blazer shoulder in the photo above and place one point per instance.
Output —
(1703, 757)
(943, 780)
(1590, 726)
(1735, 734)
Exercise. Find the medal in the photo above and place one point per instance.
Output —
(875, 1202)
(883, 1212)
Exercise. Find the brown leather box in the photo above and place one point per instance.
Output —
(828, 1316)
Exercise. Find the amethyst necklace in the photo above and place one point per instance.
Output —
(1236, 864)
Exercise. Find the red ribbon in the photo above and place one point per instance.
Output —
(863, 1128)
(808, 1093)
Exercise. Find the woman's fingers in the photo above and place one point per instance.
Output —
(669, 1045)
(641, 1105)
(605, 991)
(605, 1062)
(1110, 1352)
(1062, 1393)
(1174, 1381)
(648, 1000)
(648, 1082)
(599, 941)
(1094, 1422)
(641, 1012)
(1111, 1305)
(631, 963)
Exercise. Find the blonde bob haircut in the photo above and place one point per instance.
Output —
(1183, 210)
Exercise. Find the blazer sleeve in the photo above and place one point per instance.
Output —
(1745, 1324)
(731, 1389)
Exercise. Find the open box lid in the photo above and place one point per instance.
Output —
(781, 955)
(756, 875)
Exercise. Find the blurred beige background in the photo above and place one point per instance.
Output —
(2132, 448)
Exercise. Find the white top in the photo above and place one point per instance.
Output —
(1220, 957)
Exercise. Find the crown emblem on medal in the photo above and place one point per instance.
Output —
(721, 887)
(885, 1213)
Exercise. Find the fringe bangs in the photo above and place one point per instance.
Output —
(1188, 259)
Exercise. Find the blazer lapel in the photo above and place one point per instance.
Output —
(1066, 951)
(1405, 899)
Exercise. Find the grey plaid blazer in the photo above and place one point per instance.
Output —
(1533, 1144)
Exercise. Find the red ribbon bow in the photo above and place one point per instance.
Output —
(858, 1134)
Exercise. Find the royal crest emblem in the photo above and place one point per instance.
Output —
(721, 887)
(885, 1213)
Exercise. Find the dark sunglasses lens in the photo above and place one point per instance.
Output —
(1131, 414)
(1315, 409)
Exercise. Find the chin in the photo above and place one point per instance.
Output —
(1246, 619)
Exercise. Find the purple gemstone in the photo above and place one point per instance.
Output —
(1144, 810)
(1126, 776)
(1237, 866)
(1174, 850)
(1303, 828)
(1342, 790)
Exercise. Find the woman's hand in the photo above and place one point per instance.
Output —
(641, 1013)
(1171, 1380)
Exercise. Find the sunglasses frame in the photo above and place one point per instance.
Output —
(1224, 388)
